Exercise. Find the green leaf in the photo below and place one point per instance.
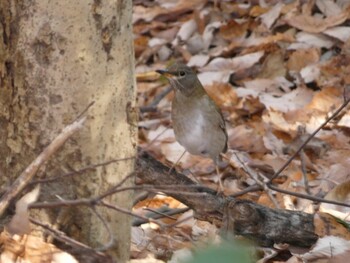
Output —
(232, 252)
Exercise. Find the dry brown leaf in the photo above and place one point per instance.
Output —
(233, 64)
(273, 143)
(328, 7)
(140, 44)
(245, 138)
(315, 24)
(255, 41)
(223, 94)
(276, 120)
(173, 151)
(258, 10)
(326, 225)
(340, 32)
(345, 120)
(199, 61)
(30, 249)
(208, 35)
(186, 31)
(307, 40)
(270, 17)
(147, 76)
(340, 193)
(296, 99)
(274, 87)
(331, 248)
(19, 224)
(233, 29)
(326, 100)
(310, 73)
(273, 66)
(157, 202)
(302, 58)
(336, 69)
(146, 14)
(210, 77)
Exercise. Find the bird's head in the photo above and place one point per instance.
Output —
(182, 78)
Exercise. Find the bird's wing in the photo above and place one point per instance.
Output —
(214, 109)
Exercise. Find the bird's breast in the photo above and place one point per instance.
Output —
(190, 127)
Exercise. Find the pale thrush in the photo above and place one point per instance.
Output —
(197, 121)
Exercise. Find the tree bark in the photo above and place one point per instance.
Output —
(56, 57)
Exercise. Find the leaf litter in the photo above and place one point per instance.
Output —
(274, 68)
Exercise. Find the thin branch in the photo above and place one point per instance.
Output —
(284, 166)
(59, 235)
(259, 180)
(249, 189)
(111, 241)
(84, 111)
(80, 171)
(77, 202)
(96, 200)
(152, 107)
(157, 215)
(22, 181)
(125, 211)
(305, 196)
(303, 159)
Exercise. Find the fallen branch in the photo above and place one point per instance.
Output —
(236, 217)
(269, 226)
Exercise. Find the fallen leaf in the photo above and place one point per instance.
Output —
(19, 224)
(302, 58)
(340, 193)
(269, 18)
(333, 248)
(233, 64)
(315, 24)
(341, 32)
(198, 61)
(245, 138)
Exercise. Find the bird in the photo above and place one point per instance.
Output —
(197, 121)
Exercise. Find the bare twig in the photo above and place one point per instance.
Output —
(305, 196)
(284, 166)
(303, 170)
(59, 235)
(23, 180)
(96, 200)
(84, 111)
(249, 189)
(156, 215)
(124, 211)
(153, 105)
(81, 171)
(259, 180)
(111, 241)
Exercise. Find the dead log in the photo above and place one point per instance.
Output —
(237, 217)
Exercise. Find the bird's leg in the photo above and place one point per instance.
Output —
(218, 162)
(221, 186)
(177, 162)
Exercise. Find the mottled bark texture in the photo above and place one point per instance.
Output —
(55, 58)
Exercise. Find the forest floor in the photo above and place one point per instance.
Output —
(278, 70)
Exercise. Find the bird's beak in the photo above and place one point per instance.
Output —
(165, 73)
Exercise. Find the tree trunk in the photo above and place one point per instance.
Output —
(56, 57)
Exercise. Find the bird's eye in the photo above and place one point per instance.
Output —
(182, 73)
